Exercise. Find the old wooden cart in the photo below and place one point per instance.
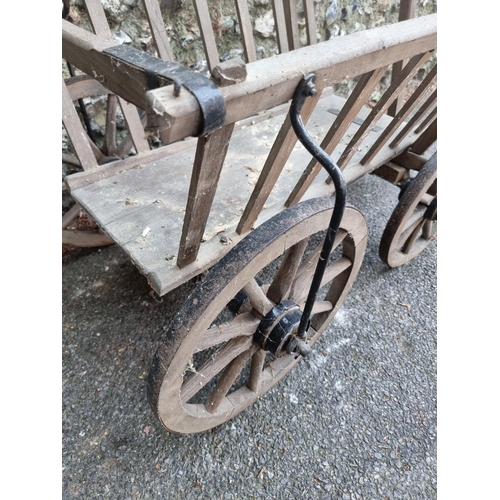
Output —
(233, 190)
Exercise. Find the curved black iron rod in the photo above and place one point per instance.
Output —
(306, 89)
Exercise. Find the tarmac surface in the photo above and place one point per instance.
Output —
(356, 420)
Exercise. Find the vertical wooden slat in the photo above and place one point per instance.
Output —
(210, 154)
(110, 136)
(310, 22)
(158, 29)
(349, 111)
(76, 133)
(292, 23)
(246, 30)
(381, 107)
(278, 156)
(130, 113)
(280, 25)
(408, 107)
(407, 10)
(207, 33)
(414, 119)
(429, 136)
(426, 121)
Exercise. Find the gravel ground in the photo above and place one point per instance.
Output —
(357, 420)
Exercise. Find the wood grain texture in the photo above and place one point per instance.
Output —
(207, 33)
(158, 30)
(210, 154)
(246, 29)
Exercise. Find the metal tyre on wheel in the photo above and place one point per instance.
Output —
(209, 368)
(413, 223)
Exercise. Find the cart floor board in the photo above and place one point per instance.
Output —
(143, 209)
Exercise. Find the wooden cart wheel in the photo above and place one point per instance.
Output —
(209, 368)
(413, 223)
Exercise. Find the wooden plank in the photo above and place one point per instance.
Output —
(349, 112)
(246, 30)
(158, 29)
(280, 25)
(428, 137)
(310, 22)
(410, 160)
(278, 156)
(292, 23)
(381, 107)
(407, 10)
(426, 120)
(407, 108)
(76, 132)
(414, 119)
(210, 154)
(272, 81)
(207, 33)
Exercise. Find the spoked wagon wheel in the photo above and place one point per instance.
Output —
(413, 223)
(210, 366)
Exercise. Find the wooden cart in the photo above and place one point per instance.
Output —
(232, 190)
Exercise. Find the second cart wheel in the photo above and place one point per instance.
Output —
(211, 366)
(413, 223)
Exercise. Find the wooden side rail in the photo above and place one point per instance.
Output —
(272, 81)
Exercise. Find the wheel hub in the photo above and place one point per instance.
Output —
(276, 332)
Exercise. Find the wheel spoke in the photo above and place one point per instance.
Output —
(241, 326)
(110, 134)
(256, 370)
(301, 289)
(321, 306)
(428, 231)
(257, 297)
(213, 366)
(227, 379)
(282, 282)
(412, 238)
(71, 215)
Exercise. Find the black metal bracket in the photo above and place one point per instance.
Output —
(305, 89)
(207, 93)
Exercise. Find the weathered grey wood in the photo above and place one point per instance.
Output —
(76, 238)
(76, 133)
(426, 120)
(278, 156)
(257, 297)
(110, 134)
(70, 215)
(158, 30)
(349, 111)
(292, 24)
(407, 10)
(242, 325)
(227, 379)
(428, 137)
(256, 367)
(210, 154)
(272, 81)
(153, 179)
(280, 25)
(71, 160)
(392, 172)
(282, 283)
(214, 366)
(207, 33)
(410, 160)
(246, 29)
(381, 107)
(401, 115)
(310, 22)
(84, 86)
(414, 119)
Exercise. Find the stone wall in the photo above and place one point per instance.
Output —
(334, 18)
